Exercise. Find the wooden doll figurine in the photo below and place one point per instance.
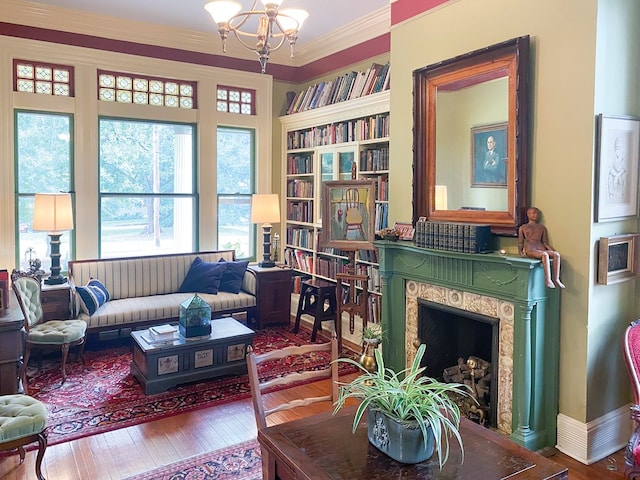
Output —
(533, 243)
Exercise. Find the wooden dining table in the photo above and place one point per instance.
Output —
(323, 447)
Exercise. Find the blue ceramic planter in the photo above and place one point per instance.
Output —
(402, 442)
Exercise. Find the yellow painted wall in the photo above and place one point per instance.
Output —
(562, 133)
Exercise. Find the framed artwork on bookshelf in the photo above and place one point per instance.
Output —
(348, 214)
(618, 258)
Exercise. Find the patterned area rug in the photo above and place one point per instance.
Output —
(103, 395)
(239, 462)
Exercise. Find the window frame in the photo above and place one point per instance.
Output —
(252, 180)
(19, 256)
(194, 195)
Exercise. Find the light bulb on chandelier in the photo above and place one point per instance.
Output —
(274, 25)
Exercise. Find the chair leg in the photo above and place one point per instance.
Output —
(42, 446)
(25, 364)
(81, 351)
(21, 452)
(65, 354)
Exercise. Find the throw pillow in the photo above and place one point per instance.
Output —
(233, 275)
(92, 296)
(203, 277)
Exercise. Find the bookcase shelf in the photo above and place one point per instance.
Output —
(321, 145)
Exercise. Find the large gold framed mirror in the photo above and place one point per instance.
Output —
(471, 161)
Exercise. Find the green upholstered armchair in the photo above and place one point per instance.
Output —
(54, 334)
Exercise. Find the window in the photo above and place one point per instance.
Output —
(235, 163)
(143, 90)
(43, 164)
(43, 78)
(147, 194)
(236, 100)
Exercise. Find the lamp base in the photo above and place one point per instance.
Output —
(267, 264)
(55, 278)
(59, 280)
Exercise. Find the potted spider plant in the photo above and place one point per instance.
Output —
(409, 416)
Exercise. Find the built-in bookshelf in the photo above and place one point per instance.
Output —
(325, 144)
(341, 89)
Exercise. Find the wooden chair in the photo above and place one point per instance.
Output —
(53, 334)
(353, 215)
(257, 387)
(631, 353)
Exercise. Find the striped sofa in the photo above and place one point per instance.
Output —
(144, 290)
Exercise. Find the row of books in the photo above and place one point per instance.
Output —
(454, 237)
(374, 284)
(300, 164)
(374, 159)
(299, 188)
(300, 237)
(382, 213)
(374, 307)
(299, 260)
(348, 86)
(300, 210)
(382, 188)
(366, 128)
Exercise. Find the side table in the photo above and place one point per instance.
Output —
(56, 301)
(273, 288)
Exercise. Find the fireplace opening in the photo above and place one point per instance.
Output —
(458, 338)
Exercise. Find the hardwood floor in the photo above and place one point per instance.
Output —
(133, 450)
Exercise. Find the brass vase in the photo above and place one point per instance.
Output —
(368, 357)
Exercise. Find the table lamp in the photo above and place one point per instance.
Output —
(265, 209)
(52, 213)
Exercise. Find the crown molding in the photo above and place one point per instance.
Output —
(370, 26)
(24, 12)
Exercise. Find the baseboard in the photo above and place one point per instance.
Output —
(593, 441)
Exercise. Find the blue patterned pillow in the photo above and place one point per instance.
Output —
(92, 296)
(233, 276)
(203, 277)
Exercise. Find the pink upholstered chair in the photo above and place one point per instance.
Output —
(631, 352)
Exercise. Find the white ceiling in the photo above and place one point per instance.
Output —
(325, 16)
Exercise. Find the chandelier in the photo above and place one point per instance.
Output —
(274, 25)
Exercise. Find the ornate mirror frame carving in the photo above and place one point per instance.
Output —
(510, 60)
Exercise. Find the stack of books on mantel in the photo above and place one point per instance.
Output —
(162, 334)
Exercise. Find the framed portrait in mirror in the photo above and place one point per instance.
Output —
(489, 160)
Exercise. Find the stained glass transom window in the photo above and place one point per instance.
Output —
(143, 90)
(43, 78)
(236, 100)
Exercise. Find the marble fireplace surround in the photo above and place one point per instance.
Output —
(509, 288)
(469, 302)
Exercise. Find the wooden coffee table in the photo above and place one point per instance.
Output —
(159, 367)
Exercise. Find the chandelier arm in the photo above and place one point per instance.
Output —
(242, 18)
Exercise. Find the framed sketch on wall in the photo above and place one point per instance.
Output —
(489, 155)
(617, 157)
(348, 214)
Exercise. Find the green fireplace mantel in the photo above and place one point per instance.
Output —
(508, 278)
